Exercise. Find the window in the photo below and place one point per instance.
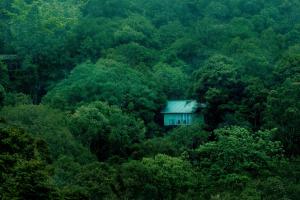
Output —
(178, 122)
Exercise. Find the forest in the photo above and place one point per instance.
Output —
(83, 83)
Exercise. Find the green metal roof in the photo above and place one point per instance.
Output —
(180, 106)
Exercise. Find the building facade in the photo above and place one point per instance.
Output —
(179, 112)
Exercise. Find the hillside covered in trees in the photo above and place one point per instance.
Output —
(83, 82)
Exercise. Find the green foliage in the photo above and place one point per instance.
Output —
(14, 99)
(29, 77)
(283, 112)
(236, 157)
(218, 84)
(253, 103)
(4, 78)
(2, 95)
(93, 37)
(36, 26)
(106, 130)
(135, 29)
(106, 8)
(97, 179)
(134, 55)
(154, 146)
(40, 31)
(23, 171)
(169, 33)
(103, 70)
(289, 65)
(218, 72)
(161, 177)
(172, 79)
(273, 187)
(51, 126)
(217, 10)
(175, 143)
(187, 137)
(91, 181)
(112, 82)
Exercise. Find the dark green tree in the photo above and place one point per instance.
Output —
(172, 79)
(50, 125)
(218, 84)
(2, 95)
(4, 77)
(237, 157)
(112, 82)
(161, 177)
(283, 113)
(23, 170)
(106, 129)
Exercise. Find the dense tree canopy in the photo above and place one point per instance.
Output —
(106, 130)
(23, 169)
(49, 125)
(161, 177)
(83, 82)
